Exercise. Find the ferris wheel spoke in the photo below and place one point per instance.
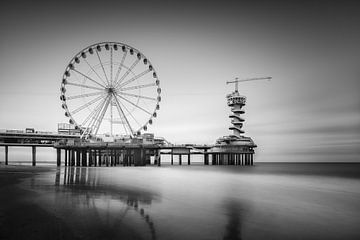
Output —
(94, 81)
(91, 116)
(94, 71)
(96, 116)
(102, 66)
(120, 66)
(93, 113)
(84, 95)
(83, 85)
(86, 105)
(134, 104)
(101, 117)
(111, 64)
(127, 72)
(138, 87)
(123, 121)
(138, 96)
(121, 113)
(132, 116)
(133, 78)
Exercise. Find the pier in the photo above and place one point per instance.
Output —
(90, 155)
(110, 155)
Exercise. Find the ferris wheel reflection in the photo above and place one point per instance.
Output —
(119, 210)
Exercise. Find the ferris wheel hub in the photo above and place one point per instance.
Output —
(110, 90)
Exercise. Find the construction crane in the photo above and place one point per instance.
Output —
(237, 80)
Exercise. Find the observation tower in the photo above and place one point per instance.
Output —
(236, 102)
(235, 148)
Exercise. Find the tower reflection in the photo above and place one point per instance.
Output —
(235, 211)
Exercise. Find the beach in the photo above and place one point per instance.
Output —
(268, 200)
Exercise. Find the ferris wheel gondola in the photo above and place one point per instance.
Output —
(110, 81)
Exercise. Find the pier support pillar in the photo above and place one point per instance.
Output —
(66, 157)
(111, 156)
(137, 157)
(77, 157)
(252, 159)
(100, 158)
(206, 158)
(90, 158)
(72, 158)
(58, 157)
(148, 157)
(115, 157)
(143, 157)
(107, 157)
(189, 159)
(69, 157)
(94, 157)
(127, 157)
(213, 159)
(172, 158)
(6, 155)
(158, 157)
(33, 155)
(221, 159)
(83, 158)
(180, 160)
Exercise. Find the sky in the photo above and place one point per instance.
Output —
(310, 111)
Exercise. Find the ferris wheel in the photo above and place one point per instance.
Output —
(110, 88)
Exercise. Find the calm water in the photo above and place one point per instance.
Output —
(266, 201)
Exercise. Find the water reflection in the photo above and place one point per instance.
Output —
(200, 203)
(96, 208)
(235, 212)
(111, 205)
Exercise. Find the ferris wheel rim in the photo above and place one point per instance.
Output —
(119, 86)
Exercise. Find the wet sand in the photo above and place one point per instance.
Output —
(20, 218)
(272, 201)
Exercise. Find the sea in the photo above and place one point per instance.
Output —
(264, 201)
